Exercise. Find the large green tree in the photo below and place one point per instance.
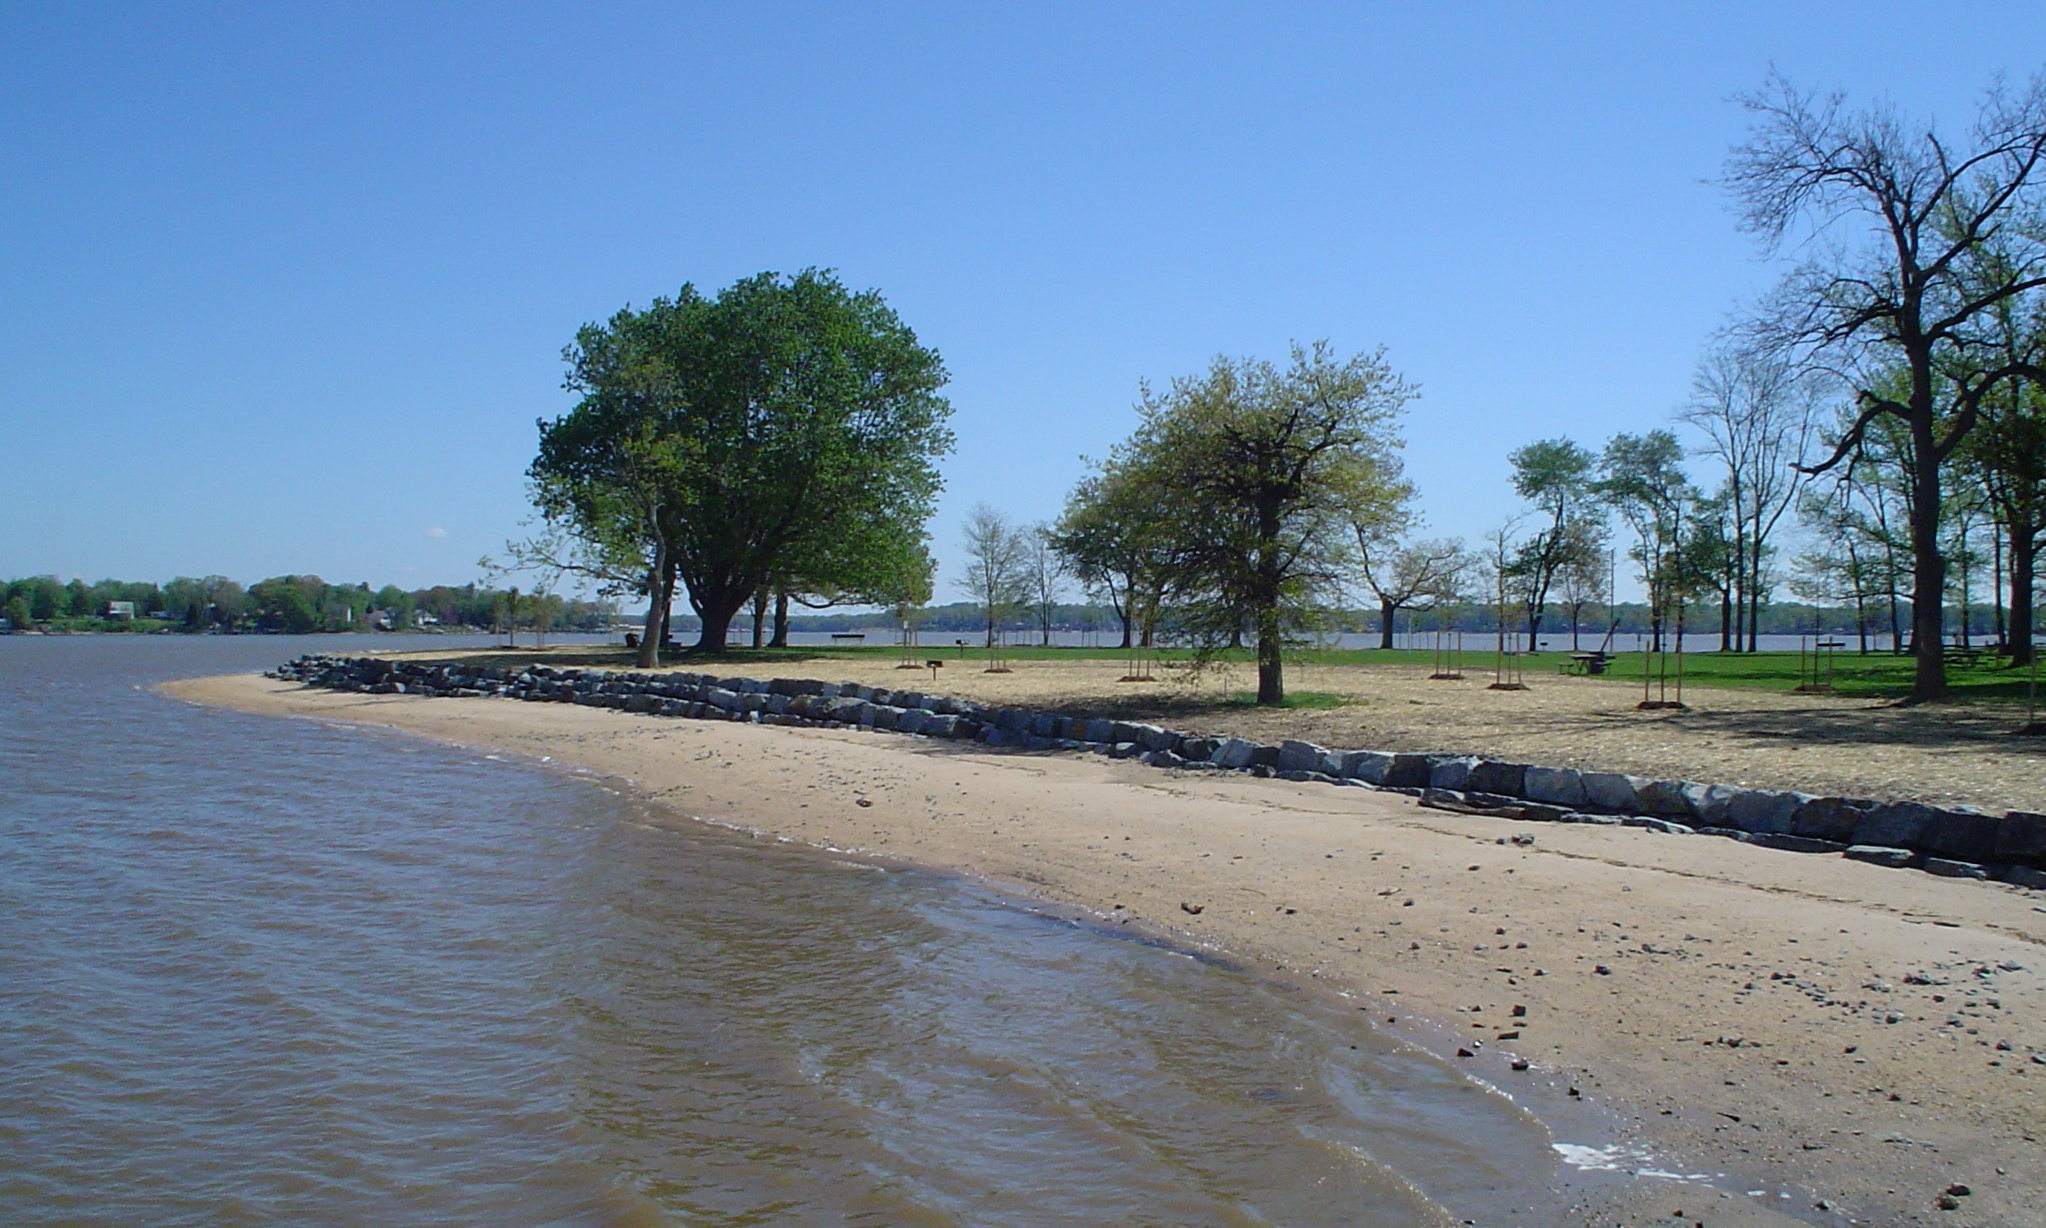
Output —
(784, 431)
(1555, 476)
(1263, 472)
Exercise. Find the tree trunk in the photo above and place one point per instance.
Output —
(1996, 587)
(2024, 557)
(650, 632)
(717, 622)
(1386, 611)
(1271, 682)
(1727, 631)
(1128, 623)
(1928, 565)
(781, 620)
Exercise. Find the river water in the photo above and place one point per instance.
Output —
(258, 971)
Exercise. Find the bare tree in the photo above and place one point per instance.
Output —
(1892, 217)
(1046, 576)
(997, 565)
(1759, 415)
(1409, 575)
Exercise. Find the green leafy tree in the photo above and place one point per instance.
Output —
(1642, 478)
(1555, 476)
(1264, 471)
(18, 615)
(1113, 536)
(722, 440)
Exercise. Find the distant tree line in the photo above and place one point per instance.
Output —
(295, 604)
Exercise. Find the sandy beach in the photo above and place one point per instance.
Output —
(1856, 1037)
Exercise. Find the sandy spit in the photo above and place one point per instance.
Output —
(1854, 1036)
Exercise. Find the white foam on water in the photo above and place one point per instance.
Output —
(1630, 1160)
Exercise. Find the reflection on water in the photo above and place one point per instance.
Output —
(263, 971)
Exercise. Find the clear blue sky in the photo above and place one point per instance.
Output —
(284, 287)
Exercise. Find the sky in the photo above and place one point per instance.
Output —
(284, 288)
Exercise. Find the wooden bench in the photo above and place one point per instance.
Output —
(848, 637)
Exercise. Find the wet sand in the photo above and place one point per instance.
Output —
(1824, 1026)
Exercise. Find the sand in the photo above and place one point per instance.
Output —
(1804, 1025)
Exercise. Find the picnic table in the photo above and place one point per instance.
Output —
(1587, 663)
(841, 637)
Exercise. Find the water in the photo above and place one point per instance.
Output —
(257, 971)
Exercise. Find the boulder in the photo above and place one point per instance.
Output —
(1664, 826)
(1451, 773)
(1151, 737)
(1796, 844)
(1947, 867)
(1765, 811)
(1880, 855)
(2021, 837)
(1100, 731)
(912, 720)
(1368, 766)
(1713, 804)
(722, 698)
(1266, 757)
(941, 725)
(1963, 834)
(1668, 798)
(1233, 753)
(1556, 786)
(1199, 748)
(1829, 818)
(2026, 876)
(1297, 756)
(1896, 824)
(1612, 791)
(1494, 776)
(1406, 771)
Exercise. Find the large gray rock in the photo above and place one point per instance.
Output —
(1369, 766)
(1765, 811)
(1896, 824)
(1406, 771)
(1198, 748)
(1668, 798)
(1495, 776)
(722, 698)
(1556, 786)
(1151, 737)
(1828, 818)
(2021, 837)
(1297, 756)
(1612, 791)
(1713, 804)
(1963, 834)
(1099, 730)
(2026, 876)
(1451, 773)
(912, 720)
(1234, 753)
(1880, 855)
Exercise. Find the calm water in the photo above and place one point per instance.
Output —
(257, 971)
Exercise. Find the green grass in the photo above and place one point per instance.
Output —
(1294, 699)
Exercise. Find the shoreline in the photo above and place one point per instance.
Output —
(1619, 943)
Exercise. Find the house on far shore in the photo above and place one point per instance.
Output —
(120, 609)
